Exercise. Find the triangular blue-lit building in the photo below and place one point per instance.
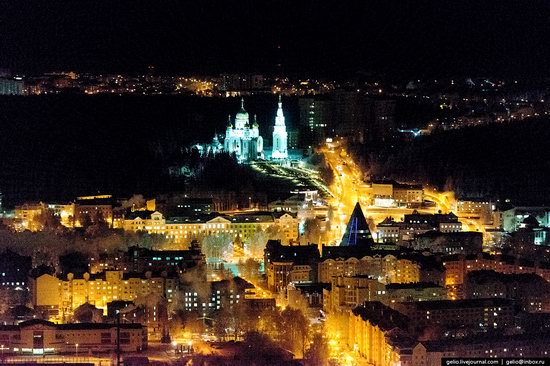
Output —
(357, 232)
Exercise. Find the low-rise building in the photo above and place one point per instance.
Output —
(392, 193)
(415, 224)
(388, 231)
(409, 292)
(39, 337)
(409, 195)
(466, 242)
(292, 204)
(445, 223)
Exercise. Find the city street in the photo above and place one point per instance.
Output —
(349, 188)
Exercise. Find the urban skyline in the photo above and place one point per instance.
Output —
(411, 39)
(298, 183)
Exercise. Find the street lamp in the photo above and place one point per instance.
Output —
(76, 349)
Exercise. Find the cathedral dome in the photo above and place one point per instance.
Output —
(242, 114)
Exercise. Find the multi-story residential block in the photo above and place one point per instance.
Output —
(476, 208)
(206, 297)
(66, 294)
(380, 335)
(387, 268)
(475, 314)
(289, 225)
(458, 266)
(347, 292)
(529, 290)
(286, 264)
(315, 117)
(310, 295)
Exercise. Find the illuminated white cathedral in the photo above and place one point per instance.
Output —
(243, 139)
(280, 136)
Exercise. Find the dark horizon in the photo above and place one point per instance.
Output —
(319, 39)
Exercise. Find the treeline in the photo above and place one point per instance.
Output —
(57, 147)
(498, 161)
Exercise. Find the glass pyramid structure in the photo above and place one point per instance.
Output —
(357, 231)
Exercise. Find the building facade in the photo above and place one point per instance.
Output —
(39, 337)
(62, 296)
(184, 229)
(243, 139)
(387, 268)
(458, 266)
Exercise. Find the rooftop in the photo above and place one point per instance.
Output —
(457, 304)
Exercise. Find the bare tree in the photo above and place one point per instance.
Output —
(312, 231)
(295, 330)
(217, 245)
(318, 352)
(255, 245)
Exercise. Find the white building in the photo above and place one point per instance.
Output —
(213, 148)
(242, 139)
(280, 136)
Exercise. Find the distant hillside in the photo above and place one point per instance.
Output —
(501, 161)
(56, 147)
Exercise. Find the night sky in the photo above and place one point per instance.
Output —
(318, 38)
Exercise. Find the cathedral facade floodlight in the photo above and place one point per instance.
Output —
(243, 139)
